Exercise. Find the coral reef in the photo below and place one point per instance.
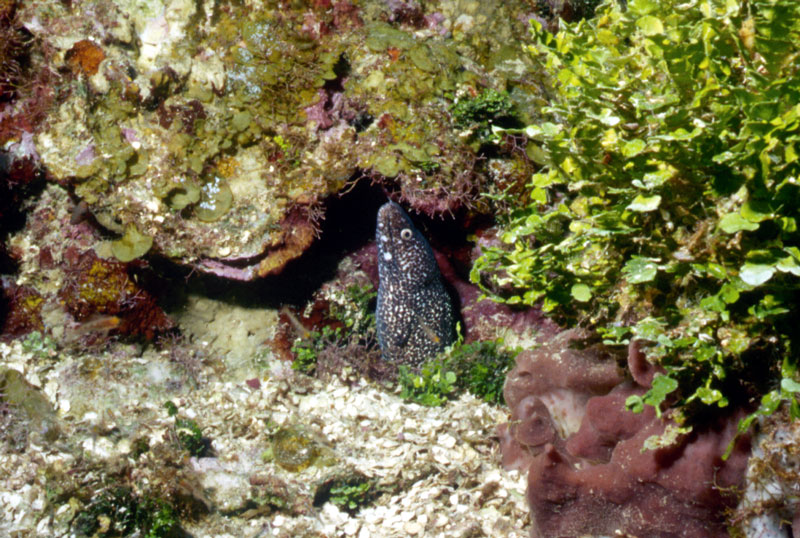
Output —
(595, 467)
(66, 288)
(24, 306)
(215, 135)
(108, 289)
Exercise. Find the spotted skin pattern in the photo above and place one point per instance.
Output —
(415, 318)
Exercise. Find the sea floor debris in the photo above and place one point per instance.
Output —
(435, 471)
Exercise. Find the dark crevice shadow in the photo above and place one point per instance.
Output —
(349, 224)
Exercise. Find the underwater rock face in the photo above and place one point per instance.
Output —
(211, 134)
(36, 410)
(769, 506)
(69, 285)
(414, 316)
(599, 479)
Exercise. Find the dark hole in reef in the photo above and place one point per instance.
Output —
(349, 224)
(19, 179)
(341, 69)
(361, 121)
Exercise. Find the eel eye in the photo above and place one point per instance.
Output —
(405, 233)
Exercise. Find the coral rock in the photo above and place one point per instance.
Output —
(680, 490)
(548, 389)
(592, 465)
(24, 310)
(212, 131)
(85, 57)
(96, 286)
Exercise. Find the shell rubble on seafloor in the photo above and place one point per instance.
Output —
(442, 462)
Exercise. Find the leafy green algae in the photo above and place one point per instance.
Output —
(132, 245)
(216, 199)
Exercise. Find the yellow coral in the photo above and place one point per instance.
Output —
(227, 166)
(104, 285)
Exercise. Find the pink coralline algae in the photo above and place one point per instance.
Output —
(600, 479)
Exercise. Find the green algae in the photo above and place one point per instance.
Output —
(185, 193)
(132, 245)
(190, 436)
(422, 57)
(216, 199)
(119, 511)
(381, 36)
(16, 392)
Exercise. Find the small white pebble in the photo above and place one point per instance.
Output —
(412, 528)
(447, 441)
(351, 527)
(387, 256)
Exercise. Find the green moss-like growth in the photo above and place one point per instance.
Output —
(306, 350)
(356, 310)
(353, 495)
(431, 387)
(350, 491)
(119, 512)
(352, 308)
(171, 408)
(479, 368)
(190, 436)
(160, 520)
(41, 346)
(350, 497)
(480, 113)
(188, 432)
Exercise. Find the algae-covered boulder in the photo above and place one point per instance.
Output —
(215, 130)
(33, 406)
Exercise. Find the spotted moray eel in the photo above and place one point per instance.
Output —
(415, 318)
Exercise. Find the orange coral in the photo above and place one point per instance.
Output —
(85, 56)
